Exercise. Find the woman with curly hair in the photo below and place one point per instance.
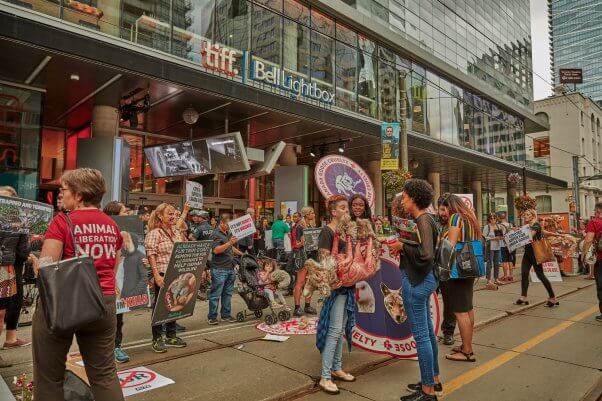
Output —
(359, 207)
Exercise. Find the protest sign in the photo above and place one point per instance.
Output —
(242, 227)
(311, 238)
(518, 238)
(194, 194)
(138, 380)
(23, 216)
(132, 272)
(181, 282)
(467, 199)
(269, 244)
(551, 271)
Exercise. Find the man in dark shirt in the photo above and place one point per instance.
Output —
(222, 271)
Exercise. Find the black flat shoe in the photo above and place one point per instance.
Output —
(418, 396)
(551, 304)
(418, 387)
(521, 302)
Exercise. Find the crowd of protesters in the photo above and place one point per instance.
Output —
(100, 342)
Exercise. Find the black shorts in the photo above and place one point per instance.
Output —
(460, 294)
(5, 303)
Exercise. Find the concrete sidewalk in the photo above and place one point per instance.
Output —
(230, 362)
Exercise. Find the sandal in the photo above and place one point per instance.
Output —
(330, 388)
(468, 357)
(551, 304)
(344, 378)
(521, 302)
(457, 349)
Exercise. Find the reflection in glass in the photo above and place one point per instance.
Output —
(266, 34)
(346, 35)
(433, 121)
(232, 24)
(418, 102)
(387, 85)
(297, 12)
(367, 84)
(322, 50)
(296, 48)
(346, 76)
(146, 23)
(192, 28)
(322, 23)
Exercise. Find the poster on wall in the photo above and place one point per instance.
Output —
(339, 175)
(23, 216)
(288, 208)
(132, 272)
(389, 139)
(382, 324)
(194, 194)
(182, 279)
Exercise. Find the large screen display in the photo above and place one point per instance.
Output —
(217, 154)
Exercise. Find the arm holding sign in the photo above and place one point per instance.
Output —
(224, 247)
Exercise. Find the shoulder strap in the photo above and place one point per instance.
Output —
(76, 252)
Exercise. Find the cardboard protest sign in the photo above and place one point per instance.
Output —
(194, 194)
(138, 380)
(551, 271)
(23, 216)
(518, 238)
(382, 324)
(242, 227)
(311, 238)
(132, 272)
(182, 279)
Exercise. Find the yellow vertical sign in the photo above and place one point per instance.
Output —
(389, 139)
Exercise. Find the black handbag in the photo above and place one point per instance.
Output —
(70, 292)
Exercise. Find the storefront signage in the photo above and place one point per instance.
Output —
(389, 139)
(219, 58)
(571, 76)
(339, 175)
(382, 325)
(298, 86)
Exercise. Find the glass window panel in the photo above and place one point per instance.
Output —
(322, 23)
(322, 51)
(52, 156)
(193, 25)
(297, 12)
(346, 35)
(447, 129)
(146, 23)
(275, 5)
(468, 138)
(457, 115)
(387, 85)
(296, 47)
(433, 121)
(136, 143)
(346, 76)
(418, 102)
(367, 45)
(367, 84)
(266, 35)
(232, 23)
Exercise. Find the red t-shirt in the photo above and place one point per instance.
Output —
(97, 235)
(595, 226)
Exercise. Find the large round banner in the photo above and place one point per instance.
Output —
(382, 325)
(339, 175)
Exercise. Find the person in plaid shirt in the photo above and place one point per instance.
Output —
(159, 242)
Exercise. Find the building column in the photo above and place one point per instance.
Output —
(375, 175)
(510, 195)
(105, 121)
(435, 180)
(477, 191)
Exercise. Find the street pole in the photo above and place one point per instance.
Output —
(524, 180)
(576, 190)
(403, 134)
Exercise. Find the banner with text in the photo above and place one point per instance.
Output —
(389, 139)
(242, 227)
(194, 194)
(518, 238)
(311, 238)
(182, 279)
(23, 216)
(550, 269)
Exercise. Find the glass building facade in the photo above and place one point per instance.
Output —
(487, 40)
(575, 42)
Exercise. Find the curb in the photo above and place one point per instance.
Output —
(594, 393)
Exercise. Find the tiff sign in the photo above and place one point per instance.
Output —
(571, 76)
(219, 58)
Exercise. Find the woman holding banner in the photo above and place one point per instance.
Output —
(529, 261)
(159, 242)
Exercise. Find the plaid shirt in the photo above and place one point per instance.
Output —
(324, 321)
(159, 243)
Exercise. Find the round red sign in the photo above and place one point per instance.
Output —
(339, 175)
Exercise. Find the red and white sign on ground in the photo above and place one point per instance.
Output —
(550, 269)
(138, 380)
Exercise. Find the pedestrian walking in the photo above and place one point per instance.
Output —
(338, 312)
(529, 261)
(593, 238)
(222, 271)
(82, 190)
(448, 325)
(418, 281)
(493, 234)
(159, 243)
(305, 220)
(463, 227)
(279, 230)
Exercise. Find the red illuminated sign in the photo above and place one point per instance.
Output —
(219, 58)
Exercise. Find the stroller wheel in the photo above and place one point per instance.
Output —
(258, 313)
(284, 315)
(240, 317)
(269, 320)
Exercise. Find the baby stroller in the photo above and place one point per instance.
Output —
(251, 292)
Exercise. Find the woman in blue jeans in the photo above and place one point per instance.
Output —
(338, 312)
(418, 284)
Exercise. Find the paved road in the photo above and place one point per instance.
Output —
(526, 354)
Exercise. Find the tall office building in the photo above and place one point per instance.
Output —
(575, 42)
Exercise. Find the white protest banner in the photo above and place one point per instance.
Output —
(551, 271)
(242, 227)
(518, 238)
(194, 194)
(138, 380)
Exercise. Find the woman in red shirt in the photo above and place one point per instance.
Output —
(98, 236)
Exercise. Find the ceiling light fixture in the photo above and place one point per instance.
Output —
(312, 152)
(341, 147)
(74, 77)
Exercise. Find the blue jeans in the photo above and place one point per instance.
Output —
(333, 349)
(279, 245)
(222, 286)
(417, 305)
(493, 261)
